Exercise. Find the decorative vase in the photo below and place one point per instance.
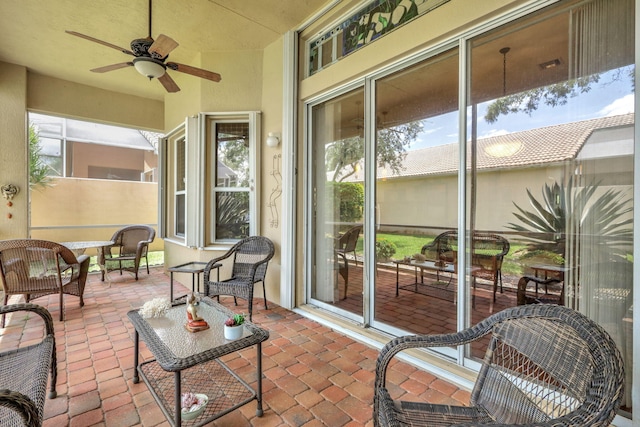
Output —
(233, 332)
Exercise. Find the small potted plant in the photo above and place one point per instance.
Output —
(233, 327)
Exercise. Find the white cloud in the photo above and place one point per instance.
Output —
(495, 132)
(619, 106)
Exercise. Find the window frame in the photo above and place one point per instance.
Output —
(198, 208)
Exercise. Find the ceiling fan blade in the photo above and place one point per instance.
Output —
(198, 72)
(162, 46)
(168, 83)
(112, 67)
(93, 39)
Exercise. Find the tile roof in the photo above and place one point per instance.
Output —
(544, 145)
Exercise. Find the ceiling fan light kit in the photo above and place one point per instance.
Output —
(149, 67)
(150, 56)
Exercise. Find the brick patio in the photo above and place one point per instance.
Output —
(313, 375)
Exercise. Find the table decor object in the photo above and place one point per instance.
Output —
(194, 323)
(157, 307)
(193, 405)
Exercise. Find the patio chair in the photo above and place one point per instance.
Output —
(131, 243)
(250, 258)
(545, 365)
(26, 370)
(346, 244)
(35, 268)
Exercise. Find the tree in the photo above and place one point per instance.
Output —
(38, 170)
(552, 95)
(344, 156)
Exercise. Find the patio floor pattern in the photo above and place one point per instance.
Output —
(313, 375)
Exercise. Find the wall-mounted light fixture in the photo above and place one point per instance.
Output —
(273, 139)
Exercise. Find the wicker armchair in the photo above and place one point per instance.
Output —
(35, 268)
(24, 373)
(489, 251)
(131, 243)
(250, 258)
(546, 365)
(347, 244)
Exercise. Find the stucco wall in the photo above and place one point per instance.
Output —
(84, 208)
(13, 149)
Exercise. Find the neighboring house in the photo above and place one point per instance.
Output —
(80, 149)
(531, 158)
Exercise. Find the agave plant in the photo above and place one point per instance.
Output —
(606, 216)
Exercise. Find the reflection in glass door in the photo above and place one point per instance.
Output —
(552, 137)
(417, 196)
(337, 159)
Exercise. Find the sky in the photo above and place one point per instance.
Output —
(606, 98)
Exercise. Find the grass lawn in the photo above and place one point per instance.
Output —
(155, 258)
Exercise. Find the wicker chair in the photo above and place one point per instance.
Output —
(546, 365)
(250, 258)
(35, 268)
(347, 244)
(489, 251)
(131, 243)
(24, 373)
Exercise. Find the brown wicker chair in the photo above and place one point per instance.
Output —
(250, 258)
(546, 365)
(35, 268)
(131, 243)
(346, 244)
(489, 251)
(25, 371)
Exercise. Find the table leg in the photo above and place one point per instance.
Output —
(171, 288)
(178, 400)
(397, 278)
(259, 411)
(136, 346)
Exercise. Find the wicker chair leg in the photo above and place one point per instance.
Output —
(61, 305)
(6, 298)
(264, 294)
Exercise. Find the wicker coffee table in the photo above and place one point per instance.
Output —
(189, 362)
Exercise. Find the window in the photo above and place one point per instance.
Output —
(210, 174)
(230, 189)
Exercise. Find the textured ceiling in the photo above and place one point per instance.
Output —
(32, 34)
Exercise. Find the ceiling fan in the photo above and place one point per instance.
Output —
(149, 58)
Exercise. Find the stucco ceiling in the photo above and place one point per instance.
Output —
(32, 34)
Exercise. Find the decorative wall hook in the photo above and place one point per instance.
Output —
(9, 190)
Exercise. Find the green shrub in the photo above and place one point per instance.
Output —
(385, 249)
(348, 200)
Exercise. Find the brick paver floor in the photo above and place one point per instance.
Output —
(313, 375)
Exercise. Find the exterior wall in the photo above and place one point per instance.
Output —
(86, 155)
(426, 200)
(76, 204)
(13, 150)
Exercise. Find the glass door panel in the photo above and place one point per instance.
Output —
(417, 195)
(337, 153)
(551, 148)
